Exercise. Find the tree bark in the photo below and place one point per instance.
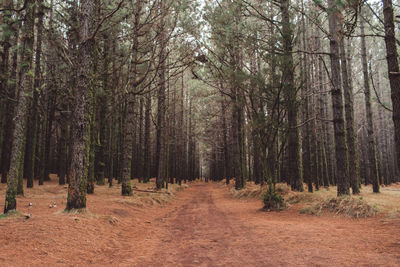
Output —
(393, 69)
(147, 141)
(161, 152)
(25, 87)
(294, 160)
(80, 124)
(372, 158)
(349, 114)
(335, 30)
(9, 85)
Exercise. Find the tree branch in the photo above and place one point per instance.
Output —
(109, 15)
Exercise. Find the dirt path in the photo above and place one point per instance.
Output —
(208, 228)
(203, 226)
(200, 233)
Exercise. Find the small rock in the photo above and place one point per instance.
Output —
(27, 216)
(30, 204)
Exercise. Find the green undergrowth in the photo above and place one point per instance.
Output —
(343, 206)
(273, 201)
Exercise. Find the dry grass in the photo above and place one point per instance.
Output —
(248, 192)
(255, 191)
(365, 204)
(302, 197)
(141, 198)
(345, 206)
(43, 198)
(12, 214)
(387, 201)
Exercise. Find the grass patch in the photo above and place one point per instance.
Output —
(258, 192)
(282, 189)
(344, 206)
(75, 211)
(248, 192)
(12, 214)
(303, 197)
(366, 204)
(152, 197)
(395, 214)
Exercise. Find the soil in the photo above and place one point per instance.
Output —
(202, 226)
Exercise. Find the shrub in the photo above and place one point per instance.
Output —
(273, 201)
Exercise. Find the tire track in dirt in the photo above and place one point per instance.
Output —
(201, 234)
(202, 226)
(206, 227)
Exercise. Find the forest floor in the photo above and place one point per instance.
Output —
(202, 225)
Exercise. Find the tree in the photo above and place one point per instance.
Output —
(393, 69)
(14, 183)
(80, 135)
(372, 157)
(335, 30)
(289, 89)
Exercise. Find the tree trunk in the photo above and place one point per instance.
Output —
(372, 158)
(294, 160)
(147, 143)
(30, 153)
(10, 85)
(6, 115)
(80, 124)
(103, 101)
(161, 130)
(335, 29)
(349, 113)
(393, 69)
(25, 87)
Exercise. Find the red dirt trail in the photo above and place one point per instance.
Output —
(203, 226)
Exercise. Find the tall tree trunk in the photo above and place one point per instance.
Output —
(5, 126)
(225, 142)
(9, 84)
(393, 69)
(140, 161)
(349, 113)
(34, 116)
(161, 130)
(147, 143)
(383, 136)
(130, 132)
(103, 100)
(335, 29)
(25, 87)
(80, 124)
(294, 160)
(372, 158)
